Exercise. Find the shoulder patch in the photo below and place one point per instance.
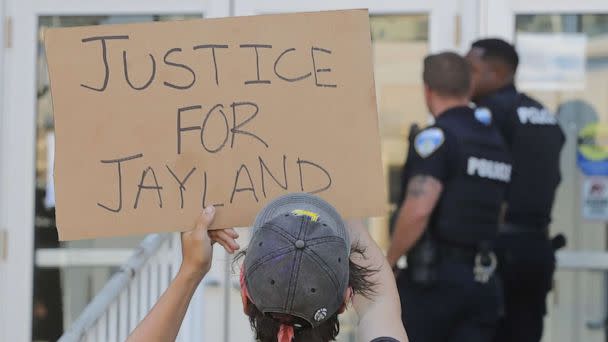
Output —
(483, 115)
(428, 141)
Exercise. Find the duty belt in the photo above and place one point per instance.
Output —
(457, 253)
(511, 228)
(484, 262)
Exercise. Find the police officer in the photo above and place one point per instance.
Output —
(526, 256)
(456, 175)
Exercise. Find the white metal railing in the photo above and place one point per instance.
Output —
(82, 257)
(129, 294)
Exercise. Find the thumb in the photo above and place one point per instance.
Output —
(205, 219)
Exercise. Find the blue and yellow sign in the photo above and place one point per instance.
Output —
(592, 152)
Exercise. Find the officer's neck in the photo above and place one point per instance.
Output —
(443, 104)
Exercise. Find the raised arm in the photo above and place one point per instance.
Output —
(379, 316)
(422, 194)
(164, 320)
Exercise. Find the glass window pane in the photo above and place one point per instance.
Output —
(51, 285)
(575, 109)
(399, 44)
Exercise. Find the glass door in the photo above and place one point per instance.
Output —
(563, 47)
(44, 300)
(402, 32)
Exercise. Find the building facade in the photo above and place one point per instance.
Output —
(45, 284)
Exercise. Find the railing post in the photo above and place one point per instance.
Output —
(123, 315)
(114, 310)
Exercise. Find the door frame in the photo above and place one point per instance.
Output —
(18, 133)
(498, 17)
(575, 311)
(442, 14)
(18, 104)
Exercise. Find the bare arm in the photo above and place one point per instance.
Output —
(379, 316)
(164, 320)
(422, 195)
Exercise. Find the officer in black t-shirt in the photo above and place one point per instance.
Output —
(526, 256)
(456, 176)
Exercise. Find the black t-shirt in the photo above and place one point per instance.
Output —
(535, 141)
(384, 339)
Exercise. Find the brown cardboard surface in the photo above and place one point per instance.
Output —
(196, 100)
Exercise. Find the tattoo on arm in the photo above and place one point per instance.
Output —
(416, 187)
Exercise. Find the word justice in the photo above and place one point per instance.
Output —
(216, 52)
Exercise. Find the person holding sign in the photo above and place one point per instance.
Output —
(303, 267)
(457, 173)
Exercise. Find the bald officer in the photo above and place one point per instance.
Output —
(456, 176)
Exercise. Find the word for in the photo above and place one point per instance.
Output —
(489, 169)
(243, 181)
(229, 130)
(171, 59)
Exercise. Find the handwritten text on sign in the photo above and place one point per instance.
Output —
(156, 121)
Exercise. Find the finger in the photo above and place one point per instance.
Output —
(232, 232)
(227, 247)
(205, 218)
(219, 235)
(223, 241)
(223, 237)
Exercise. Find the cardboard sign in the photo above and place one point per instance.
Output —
(155, 121)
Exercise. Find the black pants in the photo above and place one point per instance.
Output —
(455, 309)
(526, 266)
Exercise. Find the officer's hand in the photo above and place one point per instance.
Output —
(196, 246)
(226, 238)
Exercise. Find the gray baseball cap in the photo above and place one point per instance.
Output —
(297, 262)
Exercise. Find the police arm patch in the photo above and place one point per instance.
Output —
(483, 115)
(428, 141)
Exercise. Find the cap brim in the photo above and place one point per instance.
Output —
(286, 204)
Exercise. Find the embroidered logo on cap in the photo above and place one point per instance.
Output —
(314, 217)
(428, 141)
(320, 314)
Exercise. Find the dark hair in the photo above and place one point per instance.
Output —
(498, 50)
(266, 326)
(448, 74)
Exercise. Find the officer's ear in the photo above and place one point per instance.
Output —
(428, 93)
(428, 96)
